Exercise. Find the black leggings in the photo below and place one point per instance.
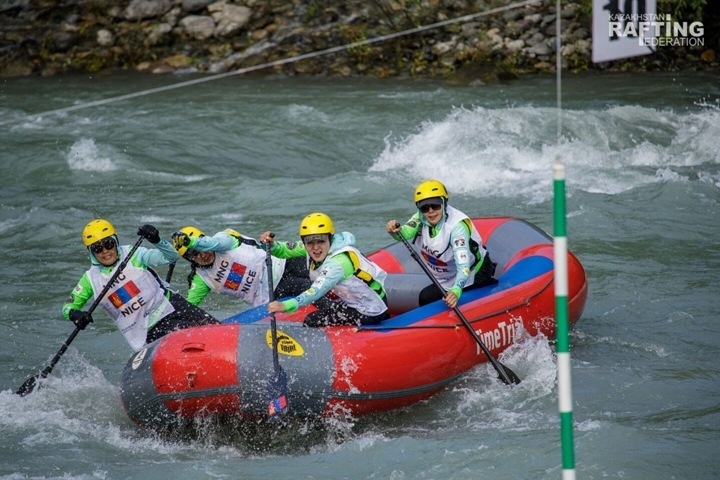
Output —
(186, 315)
(331, 312)
(295, 278)
(483, 277)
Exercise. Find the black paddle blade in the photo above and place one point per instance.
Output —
(277, 394)
(28, 386)
(509, 376)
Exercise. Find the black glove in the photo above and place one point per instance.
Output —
(149, 233)
(80, 319)
(180, 239)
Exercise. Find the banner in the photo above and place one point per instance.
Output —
(623, 28)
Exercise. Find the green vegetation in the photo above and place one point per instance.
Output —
(355, 34)
(682, 10)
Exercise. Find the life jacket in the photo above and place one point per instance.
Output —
(364, 290)
(241, 272)
(437, 253)
(135, 302)
(278, 264)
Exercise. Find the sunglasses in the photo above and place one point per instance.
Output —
(315, 240)
(430, 206)
(104, 244)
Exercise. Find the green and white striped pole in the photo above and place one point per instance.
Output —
(562, 322)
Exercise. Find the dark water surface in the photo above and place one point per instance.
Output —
(643, 216)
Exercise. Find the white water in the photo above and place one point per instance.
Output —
(252, 154)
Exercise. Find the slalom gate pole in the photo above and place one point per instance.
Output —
(563, 324)
(560, 263)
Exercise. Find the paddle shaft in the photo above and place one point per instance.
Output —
(273, 322)
(277, 386)
(29, 384)
(505, 373)
(168, 276)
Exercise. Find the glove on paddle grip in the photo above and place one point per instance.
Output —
(149, 233)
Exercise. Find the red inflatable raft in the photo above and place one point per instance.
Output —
(224, 369)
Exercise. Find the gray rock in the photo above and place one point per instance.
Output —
(140, 9)
(158, 33)
(105, 38)
(541, 49)
(6, 5)
(199, 27)
(195, 5)
(229, 18)
(62, 41)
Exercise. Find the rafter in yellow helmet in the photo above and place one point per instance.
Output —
(190, 231)
(316, 223)
(430, 189)
(96, 230)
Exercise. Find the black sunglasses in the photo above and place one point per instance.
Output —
(104, 244)
(430, 206)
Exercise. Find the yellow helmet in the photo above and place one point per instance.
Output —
(233, 233)
(316, 223)
(430, 189)
(190, 231)
(97, 230)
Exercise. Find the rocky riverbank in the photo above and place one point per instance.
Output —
(500, 39)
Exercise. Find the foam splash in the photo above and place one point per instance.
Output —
(86, 156)
(487, 403)
(78, 405)
(302, 114)
(509, 152)
(176, 177)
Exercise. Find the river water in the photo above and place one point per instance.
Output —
(256, 153)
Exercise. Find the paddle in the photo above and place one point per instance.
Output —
(505, 374)
(277, 386)
(30, 383)
(168, 276)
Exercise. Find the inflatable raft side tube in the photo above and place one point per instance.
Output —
(396, 259)
(394, 394)
(511, 237)
(385, 257)
(403, 291)
(522, 271)
(137, 392)
(306, 355)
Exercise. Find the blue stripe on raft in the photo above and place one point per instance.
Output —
(251, 315)
(526, 269)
